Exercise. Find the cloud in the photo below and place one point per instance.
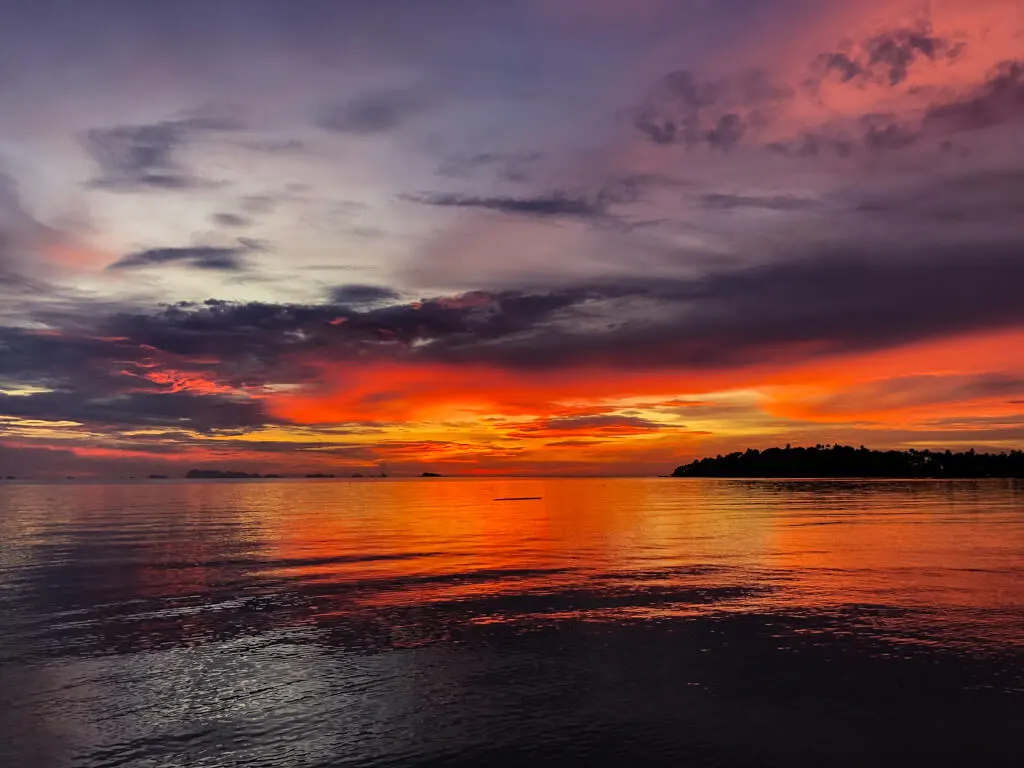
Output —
(264, 336)
(690, 111)
(260, 203)
(21, 234)
(770, 203)
(814, 143)
(885, 58)
(599, 425)
(720, 113)
(140, 157)
(552, 205)
(184, 410)
(51, 359)
(727, 131)
(829, 303)
(376, 112)
(507, 166)
(219, 365)
(275, 146)
(362, 295)
(885, 132)
(935, 393)
(114, 381)
(999, 100)
(197, 257)
(231, 220)
(874, 133)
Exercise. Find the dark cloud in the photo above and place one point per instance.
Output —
(771, 203)
(259, 337)
(830, 303)
(884, 132)
(53, 359)
(841, 64)
(142, 367)
(727, 132)
(552, 205)
(687, 110)
(185, 410)
(139, 157)
(111, 380)
(886, 57)
(231, 220)
(376, 112)
(362, 295)
(893, 53)
(874, 133)
(814, 143)
(993, 199)
(197, 257)
(998, 100)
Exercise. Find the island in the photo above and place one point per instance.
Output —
(217, 474)
(319, 476)
(846, 461)
(430, 474)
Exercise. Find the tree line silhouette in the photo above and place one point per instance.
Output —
(847, 461)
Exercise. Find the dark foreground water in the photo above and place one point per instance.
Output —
(629, 622)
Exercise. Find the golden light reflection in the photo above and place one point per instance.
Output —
(920, 556)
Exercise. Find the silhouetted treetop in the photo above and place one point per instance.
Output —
(847, 461)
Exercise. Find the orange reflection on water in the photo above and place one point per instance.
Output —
(930, 544)
(605, 549)
(425, 541)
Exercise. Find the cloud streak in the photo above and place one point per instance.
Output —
(140, 157)
(198, 257)
(550, 205)
(376, 112)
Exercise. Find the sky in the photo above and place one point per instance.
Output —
(516, 237)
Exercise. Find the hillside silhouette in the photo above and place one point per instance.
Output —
(847, 461)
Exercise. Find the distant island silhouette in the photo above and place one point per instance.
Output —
(218, 474)
(847, 461)
(227, 474)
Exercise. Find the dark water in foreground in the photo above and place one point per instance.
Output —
(661, 622)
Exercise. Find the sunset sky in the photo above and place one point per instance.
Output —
(519, 236)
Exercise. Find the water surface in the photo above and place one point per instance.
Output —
(421, 622)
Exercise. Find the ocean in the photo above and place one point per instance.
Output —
(401, 622)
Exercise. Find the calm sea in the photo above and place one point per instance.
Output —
(424, 622)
